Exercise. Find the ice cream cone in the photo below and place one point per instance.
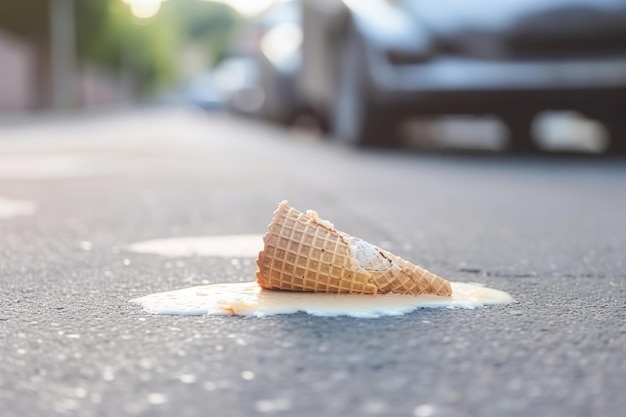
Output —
(304, 253)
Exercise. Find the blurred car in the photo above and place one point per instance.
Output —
(201, 91)
(231, 85)
(237, 80)
(370, 64)
(278, 57)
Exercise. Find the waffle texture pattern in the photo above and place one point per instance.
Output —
(303, 253)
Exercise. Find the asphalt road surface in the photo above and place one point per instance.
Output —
(549, 230)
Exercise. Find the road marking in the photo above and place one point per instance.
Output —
(225, 246)
(57, 166)
(11, 208)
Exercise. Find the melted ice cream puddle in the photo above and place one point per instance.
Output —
(11, 208)
(248, 299)
(245, 246)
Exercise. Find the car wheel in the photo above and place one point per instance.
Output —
(521, 136)
(356, 116)
(617, 132)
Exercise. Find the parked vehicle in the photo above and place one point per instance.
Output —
(201, 91)
(370, 64)
(278, 58)
(237, 78)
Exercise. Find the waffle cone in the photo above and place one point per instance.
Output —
(304, 253)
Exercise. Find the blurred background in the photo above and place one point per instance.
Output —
(70, 54)
(523, 76)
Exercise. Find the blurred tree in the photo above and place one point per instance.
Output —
(107, 34)
(205, 22)
(110, 36)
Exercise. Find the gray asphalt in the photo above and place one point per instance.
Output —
(549, 230)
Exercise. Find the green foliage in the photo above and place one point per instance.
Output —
(108, 35)
(207, 23)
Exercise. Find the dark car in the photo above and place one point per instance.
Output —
(370, 64)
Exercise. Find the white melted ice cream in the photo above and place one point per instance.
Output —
(367, 255)
(248, 299)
